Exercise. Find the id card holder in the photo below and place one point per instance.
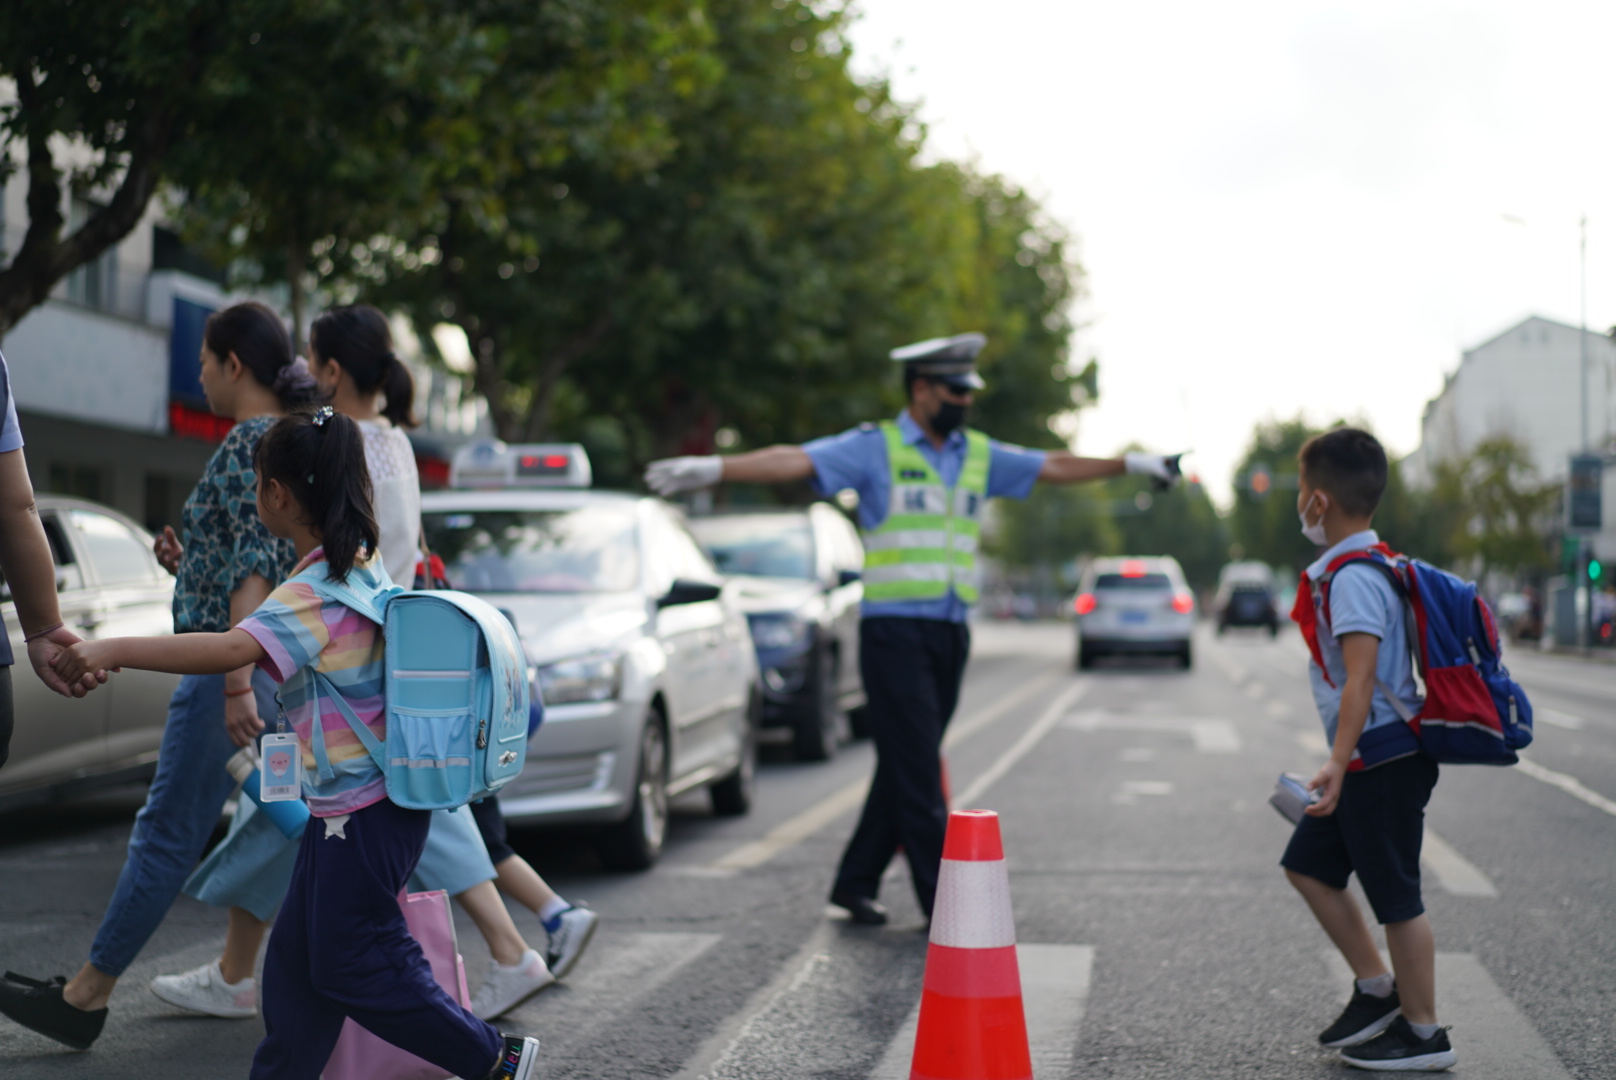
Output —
(280, 768)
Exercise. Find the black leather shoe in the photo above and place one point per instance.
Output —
(862, 909)
(38, 1004)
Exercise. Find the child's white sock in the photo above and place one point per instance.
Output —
(550, 911)
(1379, 986)
(1425, 1031)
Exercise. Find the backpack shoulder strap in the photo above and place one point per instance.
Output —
(319, 682)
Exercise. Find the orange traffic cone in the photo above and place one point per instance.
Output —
(972, 1026)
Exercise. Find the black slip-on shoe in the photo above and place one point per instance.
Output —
(1364, 1017)
(1398, 1049)
(862, 909)
(37, 1005)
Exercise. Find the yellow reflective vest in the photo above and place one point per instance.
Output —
(927, 544)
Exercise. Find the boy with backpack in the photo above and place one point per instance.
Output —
(1369, 813)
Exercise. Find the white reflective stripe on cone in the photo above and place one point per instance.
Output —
(973, 906)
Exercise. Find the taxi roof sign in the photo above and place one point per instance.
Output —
(489, 463)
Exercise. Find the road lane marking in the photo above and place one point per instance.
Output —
(1455, 873)
(1493, 1038)
(1559, 719)
(795, 830)
(1023, 746)
(1312, 740)
(1055, 983)
(1568, 784)
(1278, 709)
(619, 967)
(1134, 755)
(1211, 736)
(1130, 791)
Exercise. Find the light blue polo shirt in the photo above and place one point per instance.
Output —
(857, 459)
(1363, 601)
(10, 439)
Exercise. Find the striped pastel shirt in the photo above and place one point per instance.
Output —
(298, 630)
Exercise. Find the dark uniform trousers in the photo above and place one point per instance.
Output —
(912, 671)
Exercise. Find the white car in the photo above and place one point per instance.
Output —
(644, 663)
(1137, 605)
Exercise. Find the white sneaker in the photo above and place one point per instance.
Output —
(507, 987)
(204, 990)
(519, 1060)
(569, 939)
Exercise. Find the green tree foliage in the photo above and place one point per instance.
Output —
(1499, 516)
(1263, 525)
(756, 277)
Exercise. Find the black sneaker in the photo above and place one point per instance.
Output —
(518, 1059)
(1364, 1017)
(38, 1005)
(1398, 1049)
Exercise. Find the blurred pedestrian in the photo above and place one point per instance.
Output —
(230, 563)
(923, 482)
(30, 572)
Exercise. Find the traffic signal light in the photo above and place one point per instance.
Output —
(1594, 570)
(1260, 480)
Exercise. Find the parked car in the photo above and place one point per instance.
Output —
(797, 575)
(1247, 596)
(1138, 605)
(639, 650)
(108, 584)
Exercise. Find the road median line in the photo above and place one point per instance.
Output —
(1568, 784)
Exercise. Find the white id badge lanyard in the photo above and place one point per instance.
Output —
(280, 765)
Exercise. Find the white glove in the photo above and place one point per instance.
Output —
(1161, 468)
(670, 476)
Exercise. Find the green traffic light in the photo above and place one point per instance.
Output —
(1594, 569)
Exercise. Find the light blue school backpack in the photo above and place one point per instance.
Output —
(456, 686)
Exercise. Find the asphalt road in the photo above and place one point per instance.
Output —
(1158, 936)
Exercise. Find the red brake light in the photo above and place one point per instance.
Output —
(555, 461)
(1183, 603)
(1133, 568)
(1084, 603)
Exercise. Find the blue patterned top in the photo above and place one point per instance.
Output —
(225, 543)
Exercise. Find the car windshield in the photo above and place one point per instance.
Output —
(590, 549)
(1132, 581)
(773, 546)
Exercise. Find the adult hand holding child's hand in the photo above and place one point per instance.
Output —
(168, 550)
(84, 663)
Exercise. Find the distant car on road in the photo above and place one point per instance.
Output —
(797, 574)
(1247, 596)
(108, 584)
(1134, 606)
(637, 647)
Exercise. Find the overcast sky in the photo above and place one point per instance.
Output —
(1282, 207)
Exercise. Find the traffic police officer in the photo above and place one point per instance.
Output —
(923, 481)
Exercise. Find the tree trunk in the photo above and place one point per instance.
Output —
(554, 366)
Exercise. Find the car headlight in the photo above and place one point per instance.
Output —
(594, 677)
(780, 632)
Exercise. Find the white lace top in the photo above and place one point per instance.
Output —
(397, 491)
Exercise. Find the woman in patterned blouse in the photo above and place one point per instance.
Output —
(227, 565)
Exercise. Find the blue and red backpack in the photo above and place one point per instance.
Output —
(1473, 713)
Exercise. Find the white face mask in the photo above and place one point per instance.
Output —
(1315, 532)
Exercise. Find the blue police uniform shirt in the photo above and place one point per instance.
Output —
(10, 439)
(1363, 601)
(857, 459)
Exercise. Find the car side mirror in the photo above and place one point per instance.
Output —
(848, 577)
(685, 591)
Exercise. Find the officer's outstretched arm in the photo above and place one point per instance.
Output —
(771, 465)
(1063, 468)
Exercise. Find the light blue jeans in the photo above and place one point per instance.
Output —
(181, 810)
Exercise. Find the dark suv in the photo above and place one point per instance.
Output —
(1247, 597)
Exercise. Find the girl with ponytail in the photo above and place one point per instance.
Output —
(340, 947)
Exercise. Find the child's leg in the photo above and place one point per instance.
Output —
(517, 879)
(505, 942)
(360, 953)
(241, 943)
(1338, 913)
(1413, 949)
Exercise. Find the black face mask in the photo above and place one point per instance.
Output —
(949, 416)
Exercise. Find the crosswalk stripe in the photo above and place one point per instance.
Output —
(1054, 990)
(1568, 784)
(1559, 719)
(1455, 873)
(1493, 1038)
(618, 968)
(1211, 736)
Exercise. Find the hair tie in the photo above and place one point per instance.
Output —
(294, 376)
(321, 415)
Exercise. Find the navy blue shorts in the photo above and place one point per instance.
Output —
(1375, 832)
(491, 823)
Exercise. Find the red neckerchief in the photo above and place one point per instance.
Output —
(1305, 614)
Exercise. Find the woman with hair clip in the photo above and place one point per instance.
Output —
(226, 566)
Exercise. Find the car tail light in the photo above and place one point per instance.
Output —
(1084, 604)
(1133, 568)
(1183, 603)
